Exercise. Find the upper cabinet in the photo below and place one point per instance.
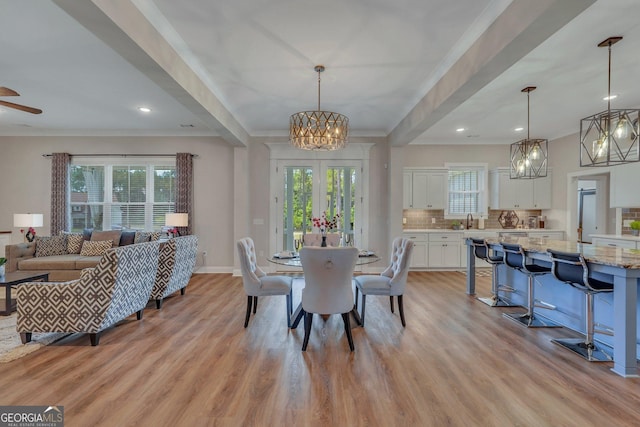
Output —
(424, 188)
(507, 193)
(624, 186)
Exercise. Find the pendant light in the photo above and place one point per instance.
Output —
(528, 156)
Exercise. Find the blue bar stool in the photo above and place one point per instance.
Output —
(515, 258)
(482, 250)
(572, 268)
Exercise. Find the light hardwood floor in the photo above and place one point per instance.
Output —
(457, 363)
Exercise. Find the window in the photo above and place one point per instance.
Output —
(467, 190)
(111, 195)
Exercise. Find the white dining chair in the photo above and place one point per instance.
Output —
(315, 239)
(392, 281)
(328, 287)
(257, 283)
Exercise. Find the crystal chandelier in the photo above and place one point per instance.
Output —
(610, 138)
(528, 156)
(318, 130)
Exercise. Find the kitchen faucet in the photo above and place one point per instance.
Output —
(469, 221)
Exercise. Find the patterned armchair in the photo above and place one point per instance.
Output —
(117, 287)
(177, 259)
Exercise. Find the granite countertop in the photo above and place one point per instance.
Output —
(616, 257)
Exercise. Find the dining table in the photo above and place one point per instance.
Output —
(292, 259)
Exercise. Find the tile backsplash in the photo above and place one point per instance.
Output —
(434, 219)
(632, 214)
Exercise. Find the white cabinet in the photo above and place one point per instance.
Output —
(419, 257)
(615, 243)
(550, 235)
(424, 188)
(444, 250)
(507, 193)
(624, 186)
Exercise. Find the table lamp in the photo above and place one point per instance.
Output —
(176, 220)
(28, 221)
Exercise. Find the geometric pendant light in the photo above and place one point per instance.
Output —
(528, 156)
(318, 130)
(610, 138)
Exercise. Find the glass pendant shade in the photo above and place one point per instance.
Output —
(529, 156)
(610, 138)
(318, 130)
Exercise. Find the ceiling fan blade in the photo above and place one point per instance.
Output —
(5, 91)
(21, 107)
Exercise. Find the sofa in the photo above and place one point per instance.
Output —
(177, 260)
(63, 256)
(117, 287)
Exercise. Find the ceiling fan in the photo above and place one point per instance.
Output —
(5, 91)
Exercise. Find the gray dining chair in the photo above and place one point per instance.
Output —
(328, 289)
(392, 281)
(257, 283)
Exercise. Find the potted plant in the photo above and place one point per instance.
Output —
(3, 261)
(456, 225)
(635, 227)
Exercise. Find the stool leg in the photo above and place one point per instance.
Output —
(494, 300)
(529, 319)
(586, 347)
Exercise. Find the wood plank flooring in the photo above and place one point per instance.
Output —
(457, 363)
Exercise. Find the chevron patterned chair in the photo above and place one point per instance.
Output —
(175, 266)
(117, 287)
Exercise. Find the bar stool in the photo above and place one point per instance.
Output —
(515, 258)
(572, 268)
(482, 250)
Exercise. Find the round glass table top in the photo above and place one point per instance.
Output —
(292, 259)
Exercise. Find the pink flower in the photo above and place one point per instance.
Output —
(325, 224)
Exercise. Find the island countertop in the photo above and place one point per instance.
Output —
(615, 257)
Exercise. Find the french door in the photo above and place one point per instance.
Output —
(306, 189)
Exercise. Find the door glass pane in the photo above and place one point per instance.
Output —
(87, 196)
(297, 205)
(341, 199)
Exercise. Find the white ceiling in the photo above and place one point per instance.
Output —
(413, 70)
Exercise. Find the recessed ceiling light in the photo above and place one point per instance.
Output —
(460, 130)
(144, 109)
(519, 129)
(606, 98)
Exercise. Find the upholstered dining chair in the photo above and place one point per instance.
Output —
(392, 281)
(315, 239)
(328, 283)
(257, 283)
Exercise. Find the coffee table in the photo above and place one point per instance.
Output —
(15, 278)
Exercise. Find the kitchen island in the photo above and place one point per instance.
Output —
(618, 309)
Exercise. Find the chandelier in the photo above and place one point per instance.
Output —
(318, 130)
(610, 138)
(528, 156)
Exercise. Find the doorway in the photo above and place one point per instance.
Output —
(588, 206)
(587, 212)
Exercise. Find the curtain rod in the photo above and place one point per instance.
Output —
(120, 155)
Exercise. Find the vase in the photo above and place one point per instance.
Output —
(324, 242)
(2, 270)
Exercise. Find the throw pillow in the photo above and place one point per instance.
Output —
(95, 248)
(49, 246)
(113, 235)
(74, 242)
(146, 236)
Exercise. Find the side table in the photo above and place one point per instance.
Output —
(10, 280)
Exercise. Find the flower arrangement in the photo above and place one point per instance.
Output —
(325, 224)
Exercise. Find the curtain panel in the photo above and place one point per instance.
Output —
(184, 189)
(59, 192)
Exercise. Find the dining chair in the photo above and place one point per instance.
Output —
(257, 283)
(328, 287)
(392, 281)
(315, 239)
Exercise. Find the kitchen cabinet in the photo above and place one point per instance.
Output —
(624, 186)
(507, 193)
(615, 243)
(444, 250)
(424, 188)
(550, 235)
(419, 257)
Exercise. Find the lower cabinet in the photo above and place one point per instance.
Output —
(615, 243)
(444, 250)
(419, 258)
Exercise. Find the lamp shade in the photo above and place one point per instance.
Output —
(27, 220)
(176, 219)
